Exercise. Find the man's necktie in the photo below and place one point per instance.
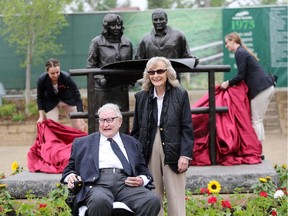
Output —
(121, 156)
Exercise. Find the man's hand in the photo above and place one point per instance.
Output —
(134, 181)
(73, 178)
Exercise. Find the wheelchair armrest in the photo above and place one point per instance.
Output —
(150, 186)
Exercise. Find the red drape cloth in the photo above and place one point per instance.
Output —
(51, 150)
(236, 140)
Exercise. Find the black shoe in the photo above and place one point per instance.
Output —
(262, 157)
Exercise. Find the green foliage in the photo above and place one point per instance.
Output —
(152, 4)
(33, 108)
(14, 111)
(217, 3)
(101, 5)
(33, 26)
(18, 117)
(53, 204)
(7, 110)
(283, 175)
(104, 5)
(270, 2)
(6, 201)
(167, 4)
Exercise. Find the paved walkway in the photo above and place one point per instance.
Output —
(274, 149)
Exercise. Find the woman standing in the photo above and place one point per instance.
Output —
(260, 84)
(162, 123)
(56, 89)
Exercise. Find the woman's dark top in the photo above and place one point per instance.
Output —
(68, 92)
(251, 72)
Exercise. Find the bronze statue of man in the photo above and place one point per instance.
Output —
(163, 40)
(109, 47)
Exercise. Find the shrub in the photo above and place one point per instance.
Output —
(7, 110)
(15, 111)
(20, 116)
(33, 108)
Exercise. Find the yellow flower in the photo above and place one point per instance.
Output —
(284, 166)
(268, 178)
(3, 186)
(264, 180)
(14, 166)
(214, 186)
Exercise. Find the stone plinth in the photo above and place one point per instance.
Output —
(230, 177)
(40, 184)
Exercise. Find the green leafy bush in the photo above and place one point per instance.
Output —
(33, 108)
(7, 110)
(14, 110)
(20, 116)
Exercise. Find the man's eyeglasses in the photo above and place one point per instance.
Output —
(108, 120)
(159, 71)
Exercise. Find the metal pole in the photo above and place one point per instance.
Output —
(91, 102)
(212, 117)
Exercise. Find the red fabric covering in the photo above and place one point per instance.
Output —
(51, 150)
(236, 140)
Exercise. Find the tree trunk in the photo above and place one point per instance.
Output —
(28, 80)
(27, 88)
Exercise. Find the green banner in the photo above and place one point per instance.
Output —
(264, 31)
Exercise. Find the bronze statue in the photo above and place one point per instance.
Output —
(109, 47)
(163, 40)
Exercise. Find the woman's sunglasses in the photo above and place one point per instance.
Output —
(159, 71)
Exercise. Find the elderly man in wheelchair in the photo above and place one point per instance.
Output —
(106, 169)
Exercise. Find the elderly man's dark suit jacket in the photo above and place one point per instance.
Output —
(84, 160)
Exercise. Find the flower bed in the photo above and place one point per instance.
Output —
(266, 199)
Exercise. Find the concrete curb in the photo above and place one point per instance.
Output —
(40, 184)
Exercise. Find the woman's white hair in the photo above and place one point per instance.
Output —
(171, 73)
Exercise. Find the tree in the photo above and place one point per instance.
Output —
(32, 25)
(165, 4)
(91, 5)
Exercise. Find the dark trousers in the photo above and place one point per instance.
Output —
(111, 187)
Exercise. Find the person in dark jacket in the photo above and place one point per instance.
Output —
(55, 90)
(162, 123)
(260, 83)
